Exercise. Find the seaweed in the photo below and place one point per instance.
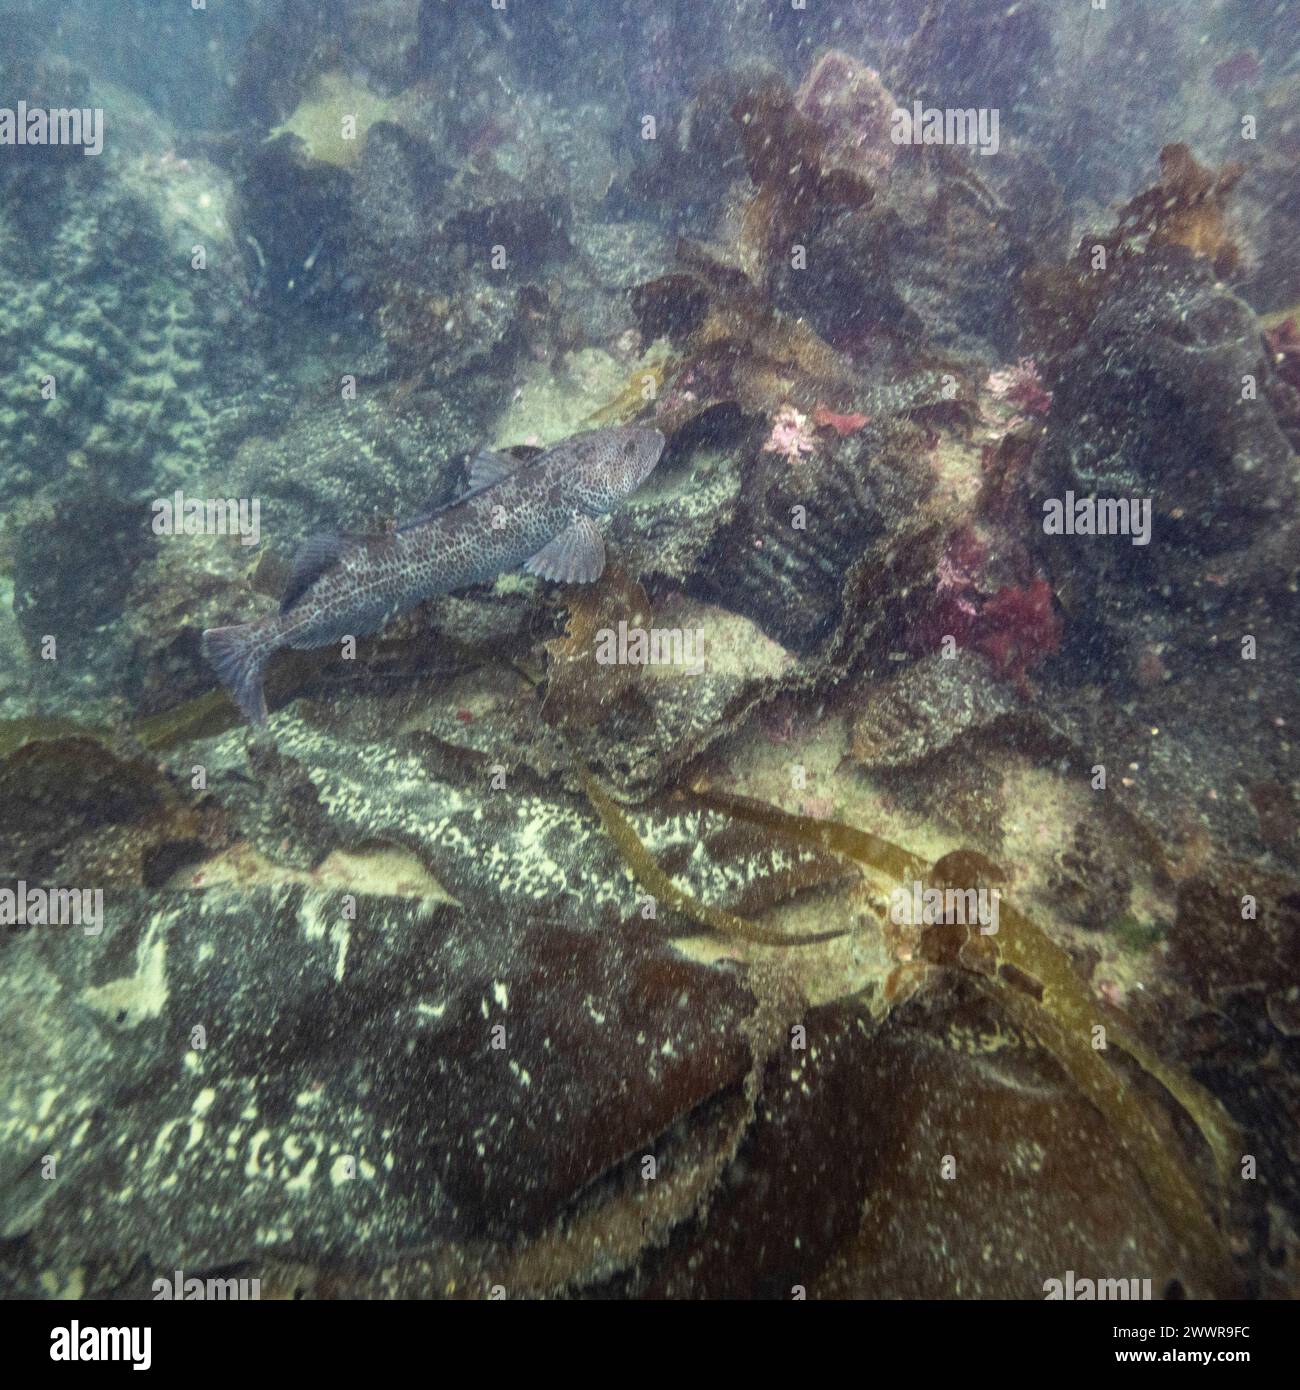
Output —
(639, 391)
(791, 168)
(15, 733)
(580, 690)
(1034, 982)
(648, 873)
(734, 346)
(202, 717)
(318, 119)
(1186, 208)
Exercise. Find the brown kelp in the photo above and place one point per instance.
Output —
(790, 166)
(1036, 985)
(652, 877)
(1185, 208)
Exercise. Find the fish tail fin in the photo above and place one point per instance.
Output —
(239, 655)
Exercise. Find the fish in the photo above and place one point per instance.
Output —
(540, 515)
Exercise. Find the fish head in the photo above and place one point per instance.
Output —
(609, 465)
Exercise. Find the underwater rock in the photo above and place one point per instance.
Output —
(72, 570)
(1180, 757)
(392, 204)
(187, 584)
(965, 54)
(41, 183)
(307, 1088)
(932, 261)
(932, 265)
(1091, 886)
(1244, 973)
(850, 288)
(73, 807)
(1218, 950)
(736, 345)
(473, 332)
(848, 100)
(802, 545)
(641, 691)
(388, 1115)
(382, 36)
(866, 1170)
(292, 217)
(690, 164)
(462, 798)
(1151, 404)
(1268, 206)
(668, 528)
(855, 1129)
(530, 227)
(498, 239)
(936, 733)
(620, 255)
(122, 353)
(495, 963)
(362, 1106)
(928, 705)
(342, 464)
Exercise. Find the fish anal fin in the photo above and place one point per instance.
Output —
(315, 556)
(488, 467)
(575, 556)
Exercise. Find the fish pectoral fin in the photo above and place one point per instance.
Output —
(489, 467)
(315, 556)
(575, 556)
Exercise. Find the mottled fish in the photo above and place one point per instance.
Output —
(540, 514)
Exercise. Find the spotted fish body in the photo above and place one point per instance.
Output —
(539, 515)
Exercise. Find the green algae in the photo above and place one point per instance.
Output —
(1138, 937)
(319, 119)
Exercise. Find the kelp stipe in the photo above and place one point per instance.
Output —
(1061, 1018)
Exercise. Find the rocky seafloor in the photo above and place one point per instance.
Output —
(492, 967)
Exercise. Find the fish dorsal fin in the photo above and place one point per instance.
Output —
(489, 467)
(492, 465)
(575, 556)
(315, 556)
